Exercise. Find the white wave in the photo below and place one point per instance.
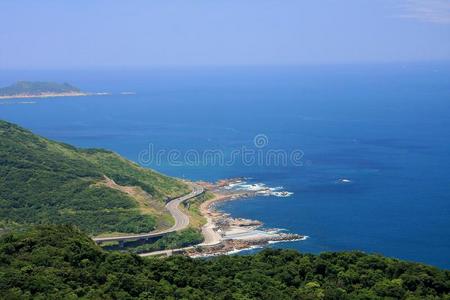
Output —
(234, 251)
(286, 241)
(252, 187)
(277, 188)
(232, 185)
(259, 188)
(282, 194)
(344, 180)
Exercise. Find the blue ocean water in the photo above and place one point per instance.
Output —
(385, 128)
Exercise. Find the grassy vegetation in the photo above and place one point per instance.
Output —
(59, 262)
(188, 237)
(47, 182)
(192, 208)
(37, 88)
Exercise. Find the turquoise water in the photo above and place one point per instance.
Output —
(384, 128)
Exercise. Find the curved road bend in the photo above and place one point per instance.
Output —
(211, 237)
(181, 219)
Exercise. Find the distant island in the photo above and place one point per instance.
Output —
(39, 89)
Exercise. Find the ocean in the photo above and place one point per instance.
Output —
(372, 170)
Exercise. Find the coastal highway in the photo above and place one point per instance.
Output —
(181, 219)
(211, 237)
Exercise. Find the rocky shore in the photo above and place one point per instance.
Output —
(225, 234)
(235, 245)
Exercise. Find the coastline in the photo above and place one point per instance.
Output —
(224, 234)
(48, 95)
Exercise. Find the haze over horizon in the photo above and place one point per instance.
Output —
(89, 34)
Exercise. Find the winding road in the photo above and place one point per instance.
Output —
(181, 220)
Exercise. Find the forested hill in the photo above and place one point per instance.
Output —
(59, 262)
(44, 182)
(37, 88)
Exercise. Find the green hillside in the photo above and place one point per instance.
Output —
(47, 182)
(53, 262)
(37, 88)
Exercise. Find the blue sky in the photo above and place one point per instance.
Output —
(91, 33)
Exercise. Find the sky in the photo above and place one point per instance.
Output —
(51, 34)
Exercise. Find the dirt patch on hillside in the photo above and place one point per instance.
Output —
(147, 205)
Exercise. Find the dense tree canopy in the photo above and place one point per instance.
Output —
(60, 262)
(173, 240)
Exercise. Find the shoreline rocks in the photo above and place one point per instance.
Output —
(236, 234)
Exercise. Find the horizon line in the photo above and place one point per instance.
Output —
(227, 66)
